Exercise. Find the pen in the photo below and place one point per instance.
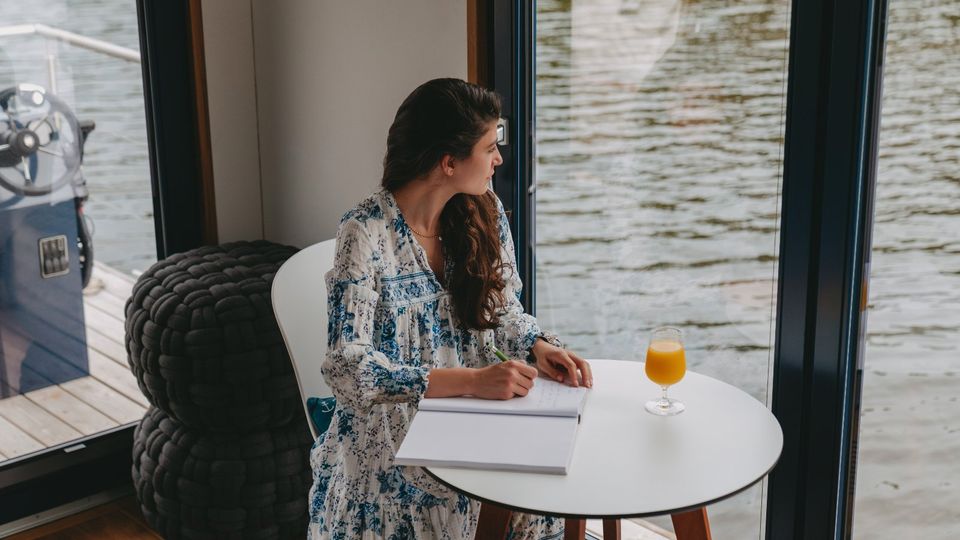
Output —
(500, 355)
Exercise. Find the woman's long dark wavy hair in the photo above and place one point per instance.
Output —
(447, 117)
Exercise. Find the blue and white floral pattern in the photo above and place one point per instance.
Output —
(391, 322)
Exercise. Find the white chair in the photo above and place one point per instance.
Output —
(300, 305)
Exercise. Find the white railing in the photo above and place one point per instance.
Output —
(92, 44)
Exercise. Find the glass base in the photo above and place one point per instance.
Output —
(664, 407)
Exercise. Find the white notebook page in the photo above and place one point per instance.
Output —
(546, 398)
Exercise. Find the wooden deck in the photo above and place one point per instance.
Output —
(108, 398)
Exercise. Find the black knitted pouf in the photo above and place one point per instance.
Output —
(251, 486)
(224, 451)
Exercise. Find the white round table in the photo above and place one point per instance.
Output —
(630, 463)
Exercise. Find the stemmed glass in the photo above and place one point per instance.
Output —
(665, 365)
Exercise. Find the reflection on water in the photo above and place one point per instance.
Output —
(659, 131)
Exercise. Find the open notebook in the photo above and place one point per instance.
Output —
(535, 433)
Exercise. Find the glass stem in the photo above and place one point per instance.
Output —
(664, 402)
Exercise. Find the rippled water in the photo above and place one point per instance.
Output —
(658, 173)
(910, 428)
(659, 133)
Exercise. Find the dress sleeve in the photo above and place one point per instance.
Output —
(359, 374)
(517, 331)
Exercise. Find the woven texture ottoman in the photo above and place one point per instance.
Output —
(223, 452)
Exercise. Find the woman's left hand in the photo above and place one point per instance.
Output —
(562, 365)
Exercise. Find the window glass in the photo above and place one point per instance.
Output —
(659, 137)
(907, 476)
(76, 219)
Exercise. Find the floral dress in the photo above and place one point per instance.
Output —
(390, 323)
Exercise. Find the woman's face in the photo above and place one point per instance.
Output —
(473, 174)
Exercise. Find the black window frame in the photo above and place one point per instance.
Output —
(103, 461)
(834, 95)
(510, 30)
(835, 77)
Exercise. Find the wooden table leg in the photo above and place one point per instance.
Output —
(574, 529)
(611, 529)
(692, 525)
(493, 522)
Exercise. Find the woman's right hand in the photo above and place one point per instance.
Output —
(504, 380)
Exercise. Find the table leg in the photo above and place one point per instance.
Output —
(611, 529)
(493, 522)
(574, 529)
(692, 525)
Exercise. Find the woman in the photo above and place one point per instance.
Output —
(423, 286)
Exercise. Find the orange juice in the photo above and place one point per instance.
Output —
(666, 362)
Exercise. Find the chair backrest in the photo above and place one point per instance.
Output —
(300, 305)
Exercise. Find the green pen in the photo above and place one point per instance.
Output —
(500, 355)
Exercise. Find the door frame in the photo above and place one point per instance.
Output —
(500, 47)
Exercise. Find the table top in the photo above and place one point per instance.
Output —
(630, 463)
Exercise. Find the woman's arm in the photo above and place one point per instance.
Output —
(502, 380)
(360, 375)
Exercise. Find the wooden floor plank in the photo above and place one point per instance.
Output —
(108, 401)
(15, 442)
(107, 345)
(103, 322)
(115, 282)
(115, 376)
(107, 303)
(72, 411)
(131, 506)
(37, 422)
(110, 396)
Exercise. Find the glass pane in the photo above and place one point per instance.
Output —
(907, 476)
(76, 219)
(659, 137)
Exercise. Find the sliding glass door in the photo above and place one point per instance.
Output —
(708, 164)
(659, 131)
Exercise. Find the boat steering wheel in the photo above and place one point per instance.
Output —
(40, 141)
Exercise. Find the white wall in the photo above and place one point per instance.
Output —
(231, 96)
(301, 93)
(329, 76)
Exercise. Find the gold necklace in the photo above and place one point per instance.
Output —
(421, 234)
